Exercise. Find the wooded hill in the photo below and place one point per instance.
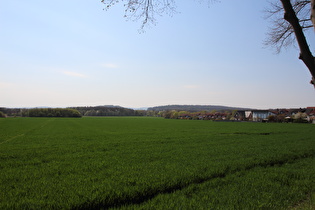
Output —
(194, 108)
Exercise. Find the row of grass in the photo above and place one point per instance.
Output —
(136, 162)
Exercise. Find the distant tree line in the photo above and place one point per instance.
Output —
(170, 111)
(53, 112)
(109, 111)
(41, 112)
(200, 115)
(13, 112)
(72, 112)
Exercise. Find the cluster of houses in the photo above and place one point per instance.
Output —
(271, 115)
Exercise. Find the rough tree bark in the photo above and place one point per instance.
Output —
(305, 53)
(313, 12)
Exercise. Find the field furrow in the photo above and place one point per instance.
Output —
(138, 199)
(276, 187)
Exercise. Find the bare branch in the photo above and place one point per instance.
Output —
(146, 10)
(281, 34)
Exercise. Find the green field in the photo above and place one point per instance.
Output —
(154, 163)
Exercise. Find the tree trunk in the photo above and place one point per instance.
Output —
(305, 53)
(313, 12)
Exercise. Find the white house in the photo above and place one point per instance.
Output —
(259, 115)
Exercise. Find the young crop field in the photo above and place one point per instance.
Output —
(155, 163)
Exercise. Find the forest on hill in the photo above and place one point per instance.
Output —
(194, 108)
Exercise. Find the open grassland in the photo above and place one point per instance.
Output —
(154, 163)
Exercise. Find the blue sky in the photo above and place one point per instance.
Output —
(73, 53)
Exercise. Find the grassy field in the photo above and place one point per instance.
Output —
(154, 163)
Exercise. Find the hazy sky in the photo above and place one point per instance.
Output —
(73, 53)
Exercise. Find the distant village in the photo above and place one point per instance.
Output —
(301, 115)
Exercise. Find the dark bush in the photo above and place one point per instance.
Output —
(2, 115)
